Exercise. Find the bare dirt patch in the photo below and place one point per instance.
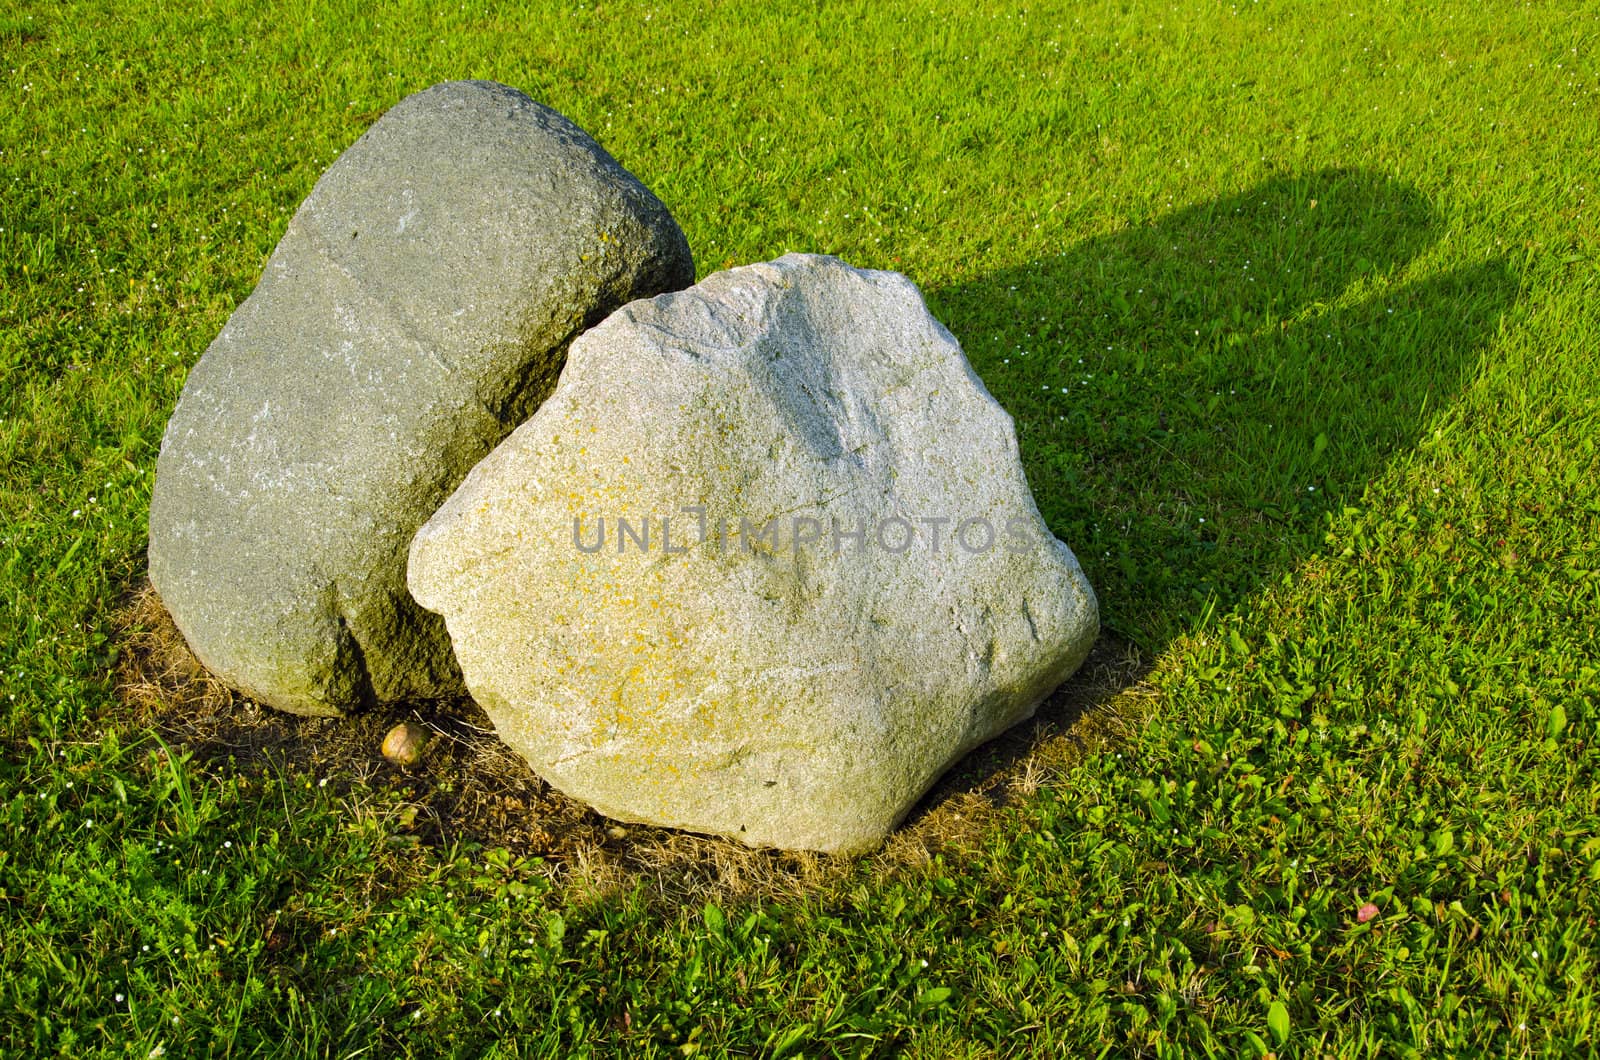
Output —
(471, 791)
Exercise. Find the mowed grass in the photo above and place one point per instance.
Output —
(1295, 307)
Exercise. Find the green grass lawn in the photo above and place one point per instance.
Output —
(1295, 307)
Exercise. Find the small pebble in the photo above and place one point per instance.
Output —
(405, 743)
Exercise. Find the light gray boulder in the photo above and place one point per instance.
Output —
(418, 308)
(820, 580)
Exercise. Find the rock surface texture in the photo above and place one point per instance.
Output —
(820, 578)
(416, 310)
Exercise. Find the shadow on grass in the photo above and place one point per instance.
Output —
(1192, 395)
(1252, 362)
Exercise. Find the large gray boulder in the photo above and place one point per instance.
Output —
(418, 307)
(820, 578)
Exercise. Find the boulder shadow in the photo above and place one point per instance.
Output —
(1193, 394)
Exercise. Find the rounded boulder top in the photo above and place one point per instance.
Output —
(418, 308)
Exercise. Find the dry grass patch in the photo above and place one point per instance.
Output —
(470, 791)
